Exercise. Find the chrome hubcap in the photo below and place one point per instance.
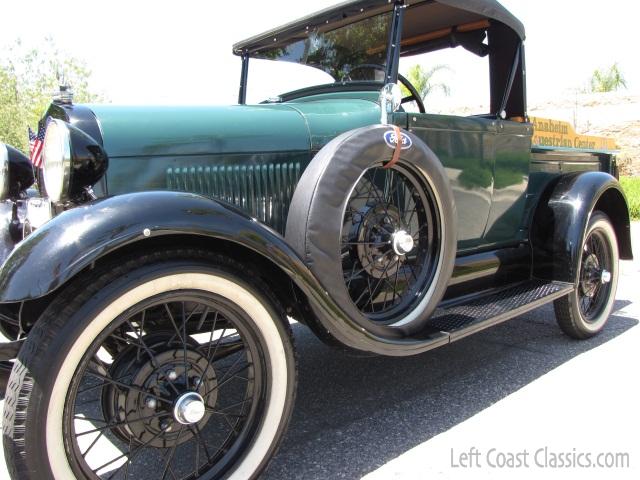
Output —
(402, 242)
(189, 408)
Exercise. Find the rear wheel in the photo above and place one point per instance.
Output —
(169, 366)
(584, 312)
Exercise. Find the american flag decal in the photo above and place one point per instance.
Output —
(35, 144)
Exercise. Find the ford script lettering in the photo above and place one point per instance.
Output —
(391, 139)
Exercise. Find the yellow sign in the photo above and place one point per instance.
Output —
(559, 134)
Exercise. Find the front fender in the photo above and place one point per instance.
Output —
(561, 218)
(70, 242)
(73, 240)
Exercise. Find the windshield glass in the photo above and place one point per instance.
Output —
(352, 53)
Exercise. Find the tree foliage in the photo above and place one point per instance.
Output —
(607, 80)
(28, 79)
(426, 81)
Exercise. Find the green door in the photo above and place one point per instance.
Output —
(507, 223)
(466, 147)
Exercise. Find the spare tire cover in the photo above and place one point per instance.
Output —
(315, 219)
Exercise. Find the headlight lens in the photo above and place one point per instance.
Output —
(4, 172)
(57, 160)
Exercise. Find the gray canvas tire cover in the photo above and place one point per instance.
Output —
(317, 208)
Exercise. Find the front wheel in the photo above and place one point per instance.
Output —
(173, 365)
(584, 312)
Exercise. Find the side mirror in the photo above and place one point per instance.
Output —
(390, 98)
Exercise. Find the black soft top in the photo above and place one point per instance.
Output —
(443, 14)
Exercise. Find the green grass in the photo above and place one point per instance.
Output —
(631, 186)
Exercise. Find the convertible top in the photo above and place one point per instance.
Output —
(443, 14)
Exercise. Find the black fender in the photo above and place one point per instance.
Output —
(561, 218)
(72, 241)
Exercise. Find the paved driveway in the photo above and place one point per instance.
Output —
(519, 387)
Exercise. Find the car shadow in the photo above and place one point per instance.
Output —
(355, 413)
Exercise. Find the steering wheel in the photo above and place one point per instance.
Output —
(414, 95)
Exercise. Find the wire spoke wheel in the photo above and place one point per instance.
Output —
(595, 275)
(379, 237)
(390, 242)
(170, 390)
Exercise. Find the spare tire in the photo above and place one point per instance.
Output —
(377, 229)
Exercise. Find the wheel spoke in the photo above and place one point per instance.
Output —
(142, 344)
(203, 318)
(201, 441)
(173, 323)
(126, 468)
(184, 340)
(95, 440)
(218, 412)
(375, 289)
(234, 405)
(382, 203)
(130, 387)
(225, 381)
(167, 465)
(130, 455)
(367, 265)
(395, 285)
(117, 424)
(377, 244)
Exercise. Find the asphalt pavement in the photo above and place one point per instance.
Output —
(521, 387)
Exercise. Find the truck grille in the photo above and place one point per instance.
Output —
(263, 191)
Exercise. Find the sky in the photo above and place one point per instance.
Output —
(157, 52)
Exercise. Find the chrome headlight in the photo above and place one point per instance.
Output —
(16, 172)
(56, 154)
(73, 161)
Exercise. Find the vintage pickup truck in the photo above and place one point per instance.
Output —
(148, 306)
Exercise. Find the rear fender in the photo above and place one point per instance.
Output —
(561, 218)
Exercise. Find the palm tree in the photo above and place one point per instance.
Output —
(425, 82)
(607, 80)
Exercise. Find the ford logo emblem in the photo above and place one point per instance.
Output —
(391, 139)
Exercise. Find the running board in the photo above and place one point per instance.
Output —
(459, 319)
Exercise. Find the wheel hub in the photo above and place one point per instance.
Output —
(179, 393)
(380, 249)
(402, 242)
(189, 408)
(592, 275)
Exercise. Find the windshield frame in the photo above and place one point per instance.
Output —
(391, 67)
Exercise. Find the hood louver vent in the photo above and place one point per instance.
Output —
(263, 191)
